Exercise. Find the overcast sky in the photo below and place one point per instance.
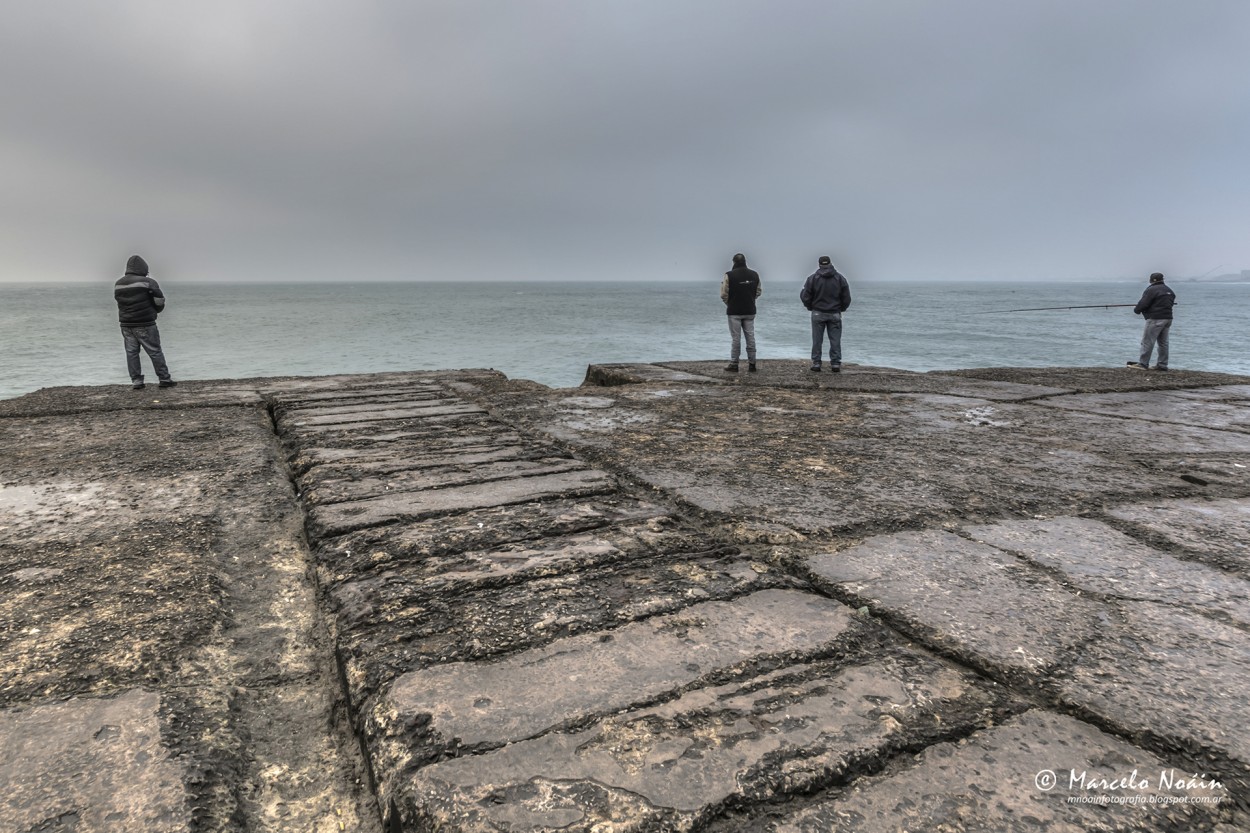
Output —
(263, 140)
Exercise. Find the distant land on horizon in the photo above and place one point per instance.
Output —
(1232, 277)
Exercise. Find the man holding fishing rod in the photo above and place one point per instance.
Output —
(1156, 307)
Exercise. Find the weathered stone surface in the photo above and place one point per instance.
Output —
(1097, 559)
(317, 466)
(1163, 406)
(526, 694)
(1025, 775)
(337, 518)
(1101, 379)
(387, 627)
(1216, 531)
(863, 378)
(163, 550)
(374, 416)
(453, 543)
(513, 562)
(90, 766)
(863, 461)
(287, 405)
(974, 601)
(431, 434)
(105, 398)
(674, 765)
(467, 575)
(611, 375)
(1175, 680)
(364, 487)
(391, 392)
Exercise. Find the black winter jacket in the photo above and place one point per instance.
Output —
(139, 298)
(1156, 302)
(825, 290)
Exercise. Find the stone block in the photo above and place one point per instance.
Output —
(975, 602)
(90, 766)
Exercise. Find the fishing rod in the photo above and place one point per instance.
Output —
(1043, 309)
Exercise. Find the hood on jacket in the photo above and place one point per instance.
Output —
(826, 271)
(137, 266)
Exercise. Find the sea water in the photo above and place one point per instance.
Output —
(67, 334)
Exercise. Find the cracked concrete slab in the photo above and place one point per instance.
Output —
(1179, 680)
(1216, 531)
(320, 465)
(337, 518)
(163, 552)
(431, 547)
(674, 765)
(372, 417)
(386, 629)
(862, 378)
(523, 695)
(363, 486)
(91, 766)
(973, 601)
(1162, 406)
(821, 466)
(1098, 559)
(1038, 771)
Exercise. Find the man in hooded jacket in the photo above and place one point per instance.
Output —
(826, 294)
(1156, 307)
(139, 300)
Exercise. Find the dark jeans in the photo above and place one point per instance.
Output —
(149, 338)
(827, 323)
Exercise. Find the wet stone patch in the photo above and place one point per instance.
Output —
(976, 602)
(1173, 681)
(431, 547)
(383, 634)
(500, 702)
(676, 765)
(1038, 771)
(1231, 411)
(869, 462)
(1216, 532)
(1097, 559)
(91, 764)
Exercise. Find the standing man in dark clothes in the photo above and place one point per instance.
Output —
(139, 300)
(827, 295)
(1156, 307)
(739, 290)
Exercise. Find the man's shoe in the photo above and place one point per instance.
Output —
(751, 368)
(1135, 366)
(1163, 369)
(137, 386)
(167, 383)
(836, 368)
(732, 367)
(815, 368)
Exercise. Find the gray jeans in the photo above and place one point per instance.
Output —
(739, 324)
(1156, 333)
(830, 323)
(149, 338)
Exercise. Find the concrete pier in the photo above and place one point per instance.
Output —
(670, 599)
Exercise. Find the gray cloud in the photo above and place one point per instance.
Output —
(562, 139)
